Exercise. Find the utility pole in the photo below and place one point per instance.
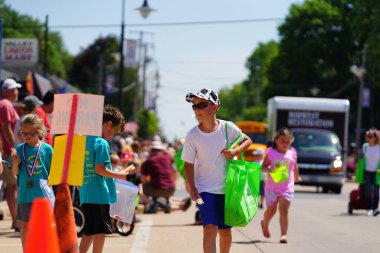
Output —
(100, 83)
(136, 101)
(145, 61)
(121, 66)
(46, 63)
(359, 72)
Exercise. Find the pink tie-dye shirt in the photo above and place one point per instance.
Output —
(279, 159)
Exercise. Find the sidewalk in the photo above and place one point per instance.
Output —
(4, 211)
(175, 232)
(156, 233)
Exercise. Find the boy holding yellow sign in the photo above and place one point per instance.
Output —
(99, 189)
(281, 163)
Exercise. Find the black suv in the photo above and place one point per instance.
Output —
(320, 159)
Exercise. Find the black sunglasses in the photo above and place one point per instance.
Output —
(27, 135)
(200, 106)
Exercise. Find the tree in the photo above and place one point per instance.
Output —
(243, 101)
(257, 65)
(319, 41)
(316, 50)
(23, 26)
(100, 57)
(148, 124)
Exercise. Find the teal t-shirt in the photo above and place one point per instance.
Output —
(28, 194)
(97, 189)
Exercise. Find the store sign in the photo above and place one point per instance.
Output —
(19, 52)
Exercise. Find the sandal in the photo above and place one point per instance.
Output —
(266, 232)
(283, 239)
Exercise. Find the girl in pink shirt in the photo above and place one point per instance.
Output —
(280, 158)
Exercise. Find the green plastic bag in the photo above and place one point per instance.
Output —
(359, 173)
(378, 177)
(179, 163)
(279, 174)
(242, 190)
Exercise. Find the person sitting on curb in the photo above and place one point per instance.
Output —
(158, 180)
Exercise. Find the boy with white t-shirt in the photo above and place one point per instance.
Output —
(205, 154)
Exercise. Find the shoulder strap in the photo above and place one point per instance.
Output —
(365, 145)
(236, 141)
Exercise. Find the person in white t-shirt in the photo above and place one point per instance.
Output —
(205, 154)
(371, 152)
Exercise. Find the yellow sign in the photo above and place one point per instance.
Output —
(75, 173)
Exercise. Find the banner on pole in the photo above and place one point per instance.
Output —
(130, 59)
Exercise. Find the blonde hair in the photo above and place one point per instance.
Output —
(36, 122)
(282, 132)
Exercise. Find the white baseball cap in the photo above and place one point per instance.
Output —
(206, 94)
(157, 145)
(10, 84)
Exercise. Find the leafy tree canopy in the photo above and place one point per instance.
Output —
(16, 25)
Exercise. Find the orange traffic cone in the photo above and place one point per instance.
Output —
(42, 233)
(63, 210)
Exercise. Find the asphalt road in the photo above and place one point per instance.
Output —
(318, 223)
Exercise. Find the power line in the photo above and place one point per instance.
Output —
(168, 61)
(210, 22)
(196, 75)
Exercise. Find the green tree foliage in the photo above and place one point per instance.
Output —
(234, 105)
(85, 65)
(316, 50)
(16, 25)
(148, 124)
(258, 64)
(319, 41)
(243, 101)
(100, 57)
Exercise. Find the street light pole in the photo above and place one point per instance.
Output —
(145, 11)
(359, 73)
(121, 66)
(359, 112)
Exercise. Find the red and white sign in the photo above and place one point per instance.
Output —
(88, 115)
(19, 52)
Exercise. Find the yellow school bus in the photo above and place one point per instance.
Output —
(257, 131)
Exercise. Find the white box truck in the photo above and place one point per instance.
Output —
(320, 129)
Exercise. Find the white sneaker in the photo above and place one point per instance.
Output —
(369, 212)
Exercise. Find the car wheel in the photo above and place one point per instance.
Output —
(337, 189)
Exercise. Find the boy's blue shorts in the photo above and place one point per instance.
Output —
(212, 210)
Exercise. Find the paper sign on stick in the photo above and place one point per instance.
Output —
(75, 173)
(89, 115)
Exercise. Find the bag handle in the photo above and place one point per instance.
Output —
(236, 141)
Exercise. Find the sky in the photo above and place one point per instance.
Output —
(187, 57)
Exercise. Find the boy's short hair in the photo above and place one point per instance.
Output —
(113, 114)
(49, 97)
